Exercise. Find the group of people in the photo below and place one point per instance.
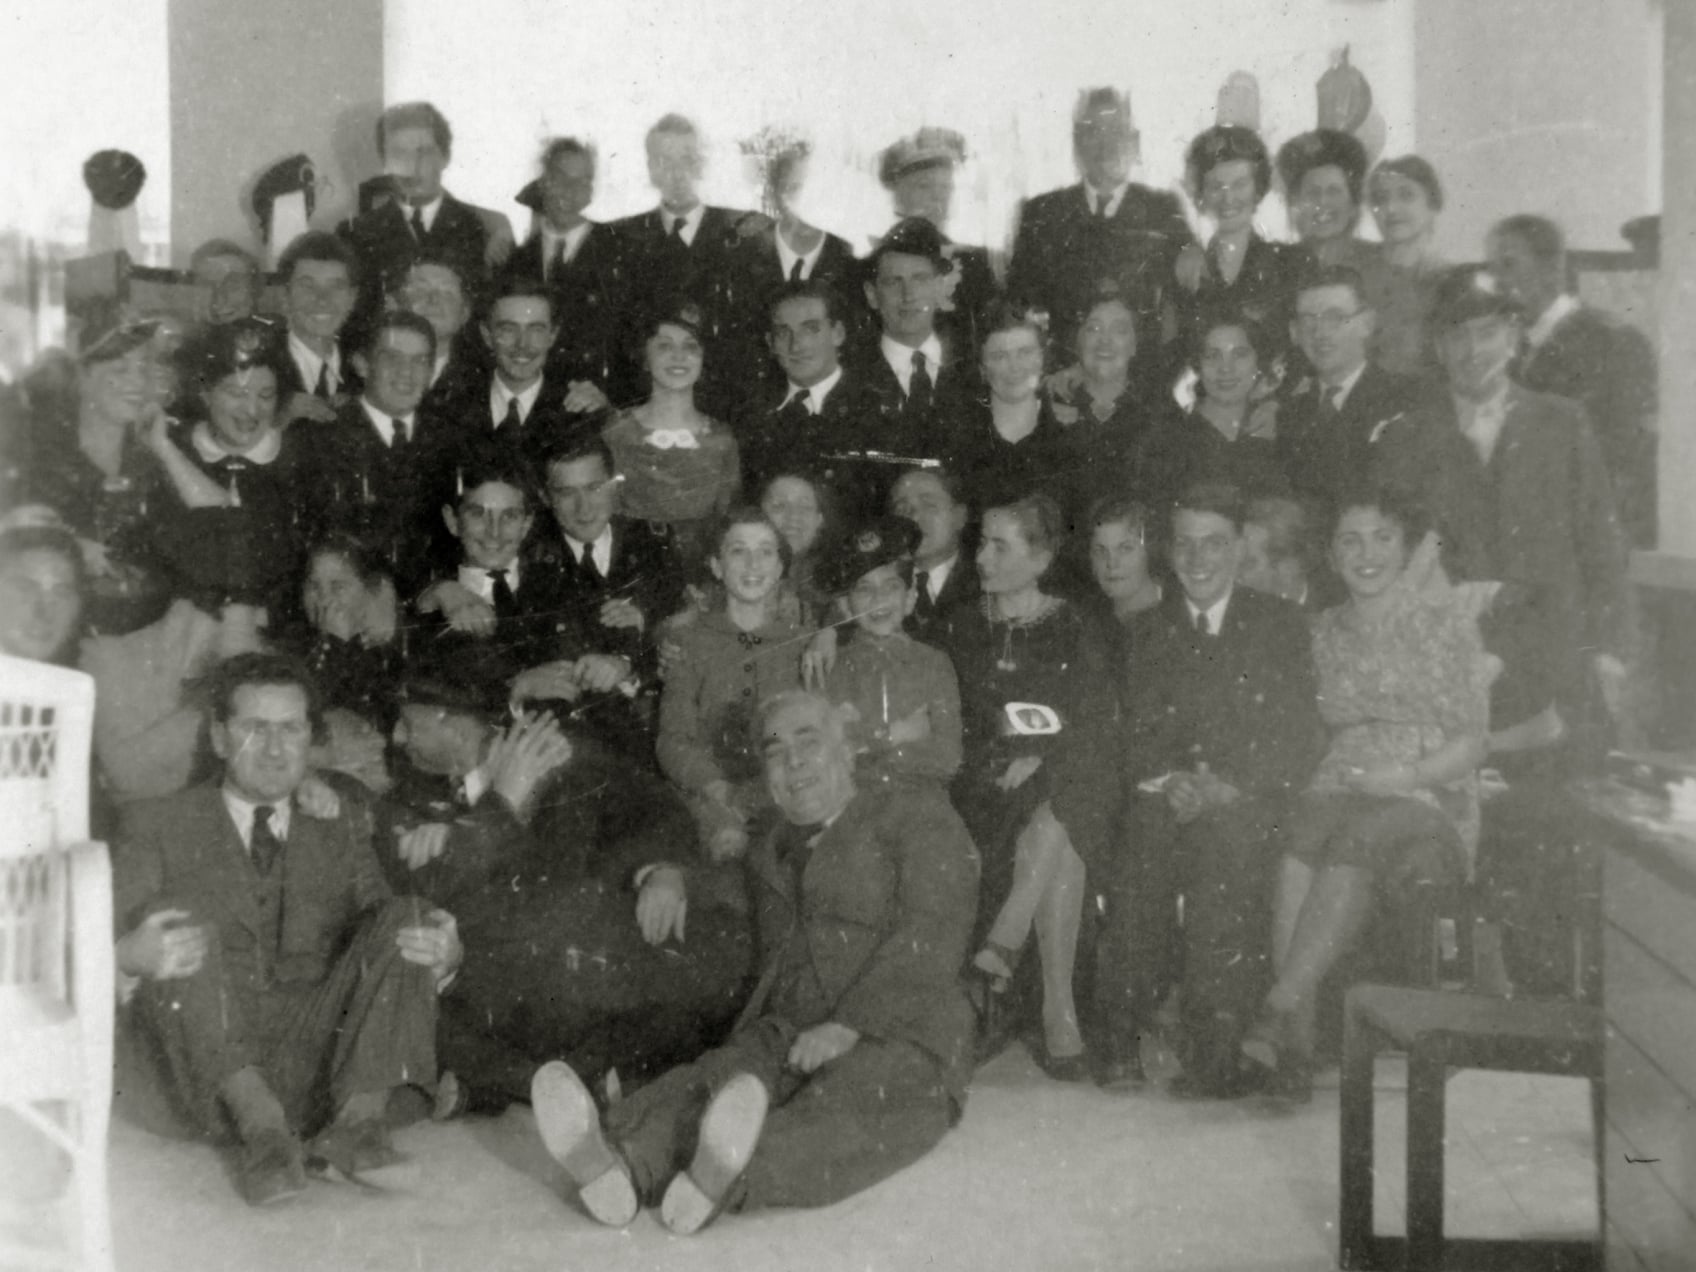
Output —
(721, 690)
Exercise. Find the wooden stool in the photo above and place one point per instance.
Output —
(1440, 1031)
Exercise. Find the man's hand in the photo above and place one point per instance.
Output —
(534, 747)
(602, 673)
(433, 944)
(662, 905)
(820, 1045)
(583, 396)
(464, 610)
(308, 406)
(621, 611)
(317, 798)
(1191, 794)
(420, 845)
(549, 682)
(163, 946)
(1019, 772)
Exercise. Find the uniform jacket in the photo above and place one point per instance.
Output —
(885, 908)
(387, 248)
(183, 850)
(584, 294)
(1541, 512)
(1243, 701)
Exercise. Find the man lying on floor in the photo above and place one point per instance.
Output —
(532, 835)
(285, 989)
(851, 1059)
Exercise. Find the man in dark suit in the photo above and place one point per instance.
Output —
(433, 289)
(945, 577)
(575, 258)
(1327, 426)
(1516, 483)
(858, 1036)
(1106, 227)
(1223, 729)
(821, 420)
(923, 384)
(531, 835)
(1576, 351)
(275, 974)
(320, 276)
(416, 145)
(682, 249)
(380, 467)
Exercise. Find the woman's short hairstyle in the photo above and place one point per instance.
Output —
(1223, 144)
(678, 313)
(1004, 315)
(1322, 148)
(370, 563)
(1415, 169)
(1039, 519)
(749, 515)
(1393, 503)
(828, 508)
(1214, 317)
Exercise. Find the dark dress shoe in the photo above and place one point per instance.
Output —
(358, 1152)
(1061, 1068)
(1203, 1085)
(730, 1131)
(271, 1168)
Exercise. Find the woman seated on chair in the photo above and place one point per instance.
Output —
(1404, 688)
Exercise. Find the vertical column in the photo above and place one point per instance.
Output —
(1678, 292)
(253, 84)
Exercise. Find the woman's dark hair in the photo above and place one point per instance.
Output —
(370, 564)
(1112, 510)
(749, 515)
(1393, 503)
(1040, 521)
(1215, 317)
(1322, 148)
(1223, 144)
(679, 313)
(1108, 292)
(1004, 315)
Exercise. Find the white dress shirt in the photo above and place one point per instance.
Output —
(816, 393)
(691, 222)
(1114, 197)
(500, 395)
(1215, 612)
(387, 424)
(600, 551)
(900, 358)
(1482, 422)
(474, 578)
(787, 256)
(936, 576)
(552, 240)
(310, 364)
(241, 813)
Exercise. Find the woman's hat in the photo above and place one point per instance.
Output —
(877, 542)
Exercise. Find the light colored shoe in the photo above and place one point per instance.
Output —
(570, 1126)
(730, 1130)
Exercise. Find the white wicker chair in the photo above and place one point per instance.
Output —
(56, 959)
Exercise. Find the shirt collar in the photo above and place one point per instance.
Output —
(1539, 331)
(572, 238)
(691, 222)
(474, 578)
(1346, 387)
(1115, 196)
(501, 395)
(601, 548)
(210, 449)
(787, 256)
(241, 813)
(309, 361)
(429, 211)
(1215, 612)
(816, 393)
(385, 424)
(900, 356)
(936, 576)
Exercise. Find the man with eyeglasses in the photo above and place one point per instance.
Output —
(1327, 427)
(285, 990)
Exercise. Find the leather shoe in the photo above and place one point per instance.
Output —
(358, 1152)
(1121, 1072)
(570, 1126)
(1061, 1068)
(730, 1131)
(271, 1167)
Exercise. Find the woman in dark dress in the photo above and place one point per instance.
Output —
(1229, 173)
(1038, 786)
(1011, 444)
(1229, 434)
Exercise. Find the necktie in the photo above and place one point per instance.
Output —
(1328, 403)
(556, 259)
(512, 422)
(1099, 201)
(677, 231)
(265, 847)
(401, 441)
(919, 387)
(322, 388)
(500, 595)
(418, 230)
(1201, 623)
(586, 565)
(798, 408)
(797, 270)
(926, 605)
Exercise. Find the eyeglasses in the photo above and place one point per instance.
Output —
(1329, 321)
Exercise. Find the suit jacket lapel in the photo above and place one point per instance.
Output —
(232, 874)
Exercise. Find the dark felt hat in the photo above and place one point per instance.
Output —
(1470, 291)
(876, 542)
(913, 236)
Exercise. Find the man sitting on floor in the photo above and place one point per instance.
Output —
(281, 984)
(858, 1037)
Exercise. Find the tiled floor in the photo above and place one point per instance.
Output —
(1038, 1176)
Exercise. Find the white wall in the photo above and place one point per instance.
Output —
(857, 75)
